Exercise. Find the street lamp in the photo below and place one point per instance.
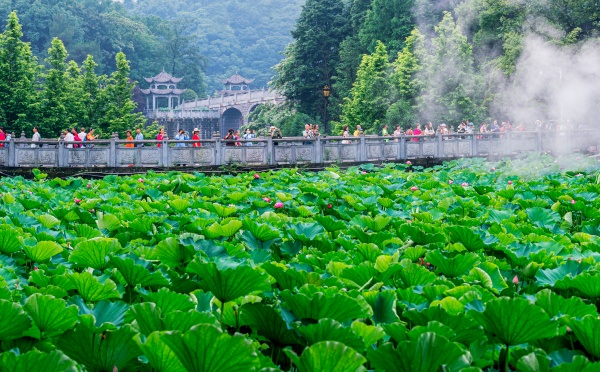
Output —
(326, 92)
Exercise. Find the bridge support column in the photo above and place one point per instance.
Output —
(270, 151)
(362, 148)
(112, 158)
(439, 149)
(402, 148)
(318, 156)
(474, 149)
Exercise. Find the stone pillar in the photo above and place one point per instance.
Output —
(112, 153)
(218, 148)
(318, 157)
(153, 102)
(270, 151)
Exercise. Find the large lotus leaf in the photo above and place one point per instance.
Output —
(107, 315)
(588, 285)
(184, 321)
(168, 301)
(92, 288)
(160, 357)
(10, 242)
(206, 349)
(488, 276)
(135, 274)
(268, 323)
(221, 210)
(368, 333)
(173, 254)
(35, 360)
(330, 223)
(377, 223)
(466, 329)
(94, 253)
(515, 321)
(407, 274)
(542, 217)
(48, 221)
(107, 351)
(147, 318)
(42, 250)
(179, 205)
(230, 283)
(289, 278)
(579, 364)
(360, 274)
(435, 327)
(86, 231)
(320, 305)
(465, 236)
(551, 277)
(452, 267)
(427, 354)
(50, 315)
(330, 330)
(558, 306)
(383, 304)
(107, 222)
(13, 320)
(260, 231)
(533, 362)
(305, 231)
(421, 237)
(227, 230)
(328, 356)
(587, 331)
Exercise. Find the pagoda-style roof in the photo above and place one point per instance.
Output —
(162, 91)
(237, 79)
(163, 77)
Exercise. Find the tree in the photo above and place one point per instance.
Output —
(18, 73)
(369, 97)
(388, 21)
(311, 60)
(92, 99)
(453, 90)
(55, 94)
(120, 115)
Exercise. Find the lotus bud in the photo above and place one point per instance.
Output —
(515, 280)
(140, 180)
(510, 182)
(77, 201)
(493, 169)
(89, 185)
(35, 268)
(278, 205)
(329, 206)
(268, 200)
(256, 176)
(573, 201)
(464, 184)
(408, 162)
(363, 172)
(414, 188)
(450, 182)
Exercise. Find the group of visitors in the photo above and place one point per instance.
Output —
(310, 131)
(233, 136)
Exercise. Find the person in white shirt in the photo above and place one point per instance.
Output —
(36, 137)
(69, 137)
(82, 136)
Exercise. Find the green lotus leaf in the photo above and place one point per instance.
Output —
(587, 331)
(329, 356)
(421, 237)
(95, 253)
(579, 364)
(433, 326)
(304, 232)
(330, 223)
(50, 315)
(205, 348)
(160, 357)
(465, 236)
(452, 267)
(221, 210)
(229, 283)
(533, 362)
(321, 305)
(396, 331)
(588, 285)
(466, 329)
(288, 278)
(106, 314)
(107, 351)
(359, 275)
(86, 231)
(569, 269)
(268, 323)
(368, 333)
(173, 254)
(330, 330)
(135, 274)
(42, 250)
(180, 205)
(227, 230)
(167, 301)
(48, 221)
(488, 276)
(13, 320)
(184, 321)
(376, 223)
(543, 218)
(92, 288)
(426, 354)
(147, 318)
(557, 306)
(10, 242)
(107, 222)
(407, 274)
(262, 232)
(35, 360)
(383, 304)
(515, 321)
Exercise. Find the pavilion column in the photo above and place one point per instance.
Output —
(153, 102)
(170, 100)
(147, 103)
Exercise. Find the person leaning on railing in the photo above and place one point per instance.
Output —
(129, 140)
(275, 133)
(37, 137)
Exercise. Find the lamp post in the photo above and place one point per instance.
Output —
(326, 92)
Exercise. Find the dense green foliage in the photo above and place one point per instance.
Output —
(448, 61)
(468, 266)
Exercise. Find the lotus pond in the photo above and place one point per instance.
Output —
(470, 266)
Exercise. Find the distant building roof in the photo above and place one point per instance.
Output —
(237, 79)
(163, 77)
(162, 91)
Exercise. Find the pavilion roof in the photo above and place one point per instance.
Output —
(163, 77)
(237, 79)
(162, 91)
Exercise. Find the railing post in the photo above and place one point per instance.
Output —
(402, 144)
(318, 158)
(112, 152)
(11, 152)
(538, 141)
(270, 151)
(439, 149)
(218, 148)
(474, 149)
(362, 148)
(61, 152)
(165, 153)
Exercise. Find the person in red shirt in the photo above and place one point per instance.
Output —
(2, 137)
(161, 136)
(76, 138)
(196, 137)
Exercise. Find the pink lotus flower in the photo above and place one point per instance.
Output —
(140, 180)
(364, 172)
(89, 185)
(573, 201)
(408, 162)
(510, 182)
(493, 169)
(515, 280)
(256, 176)
(414, 188)
(464, 184)
(450, 182)
(35, 268)
(77, 201)
(329, 206)
(268, 200)
(278, 205)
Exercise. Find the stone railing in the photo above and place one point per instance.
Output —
(293, 150)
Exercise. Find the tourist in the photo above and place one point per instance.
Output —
(397, 133)
(82, 135)
(161, 137)
(76, 138)
(229, 137)
(90, 137)
(316, 132)
(196, 137)
(181, 136)
(409, 131)
(275, 133)
(358, 131)
(69, 138)
(36, 137)
(417, 132)
(139, 137)
(384, 132)
(248, 136)
(237, 135)
(429, 131)
(482, 129)
(345, 134)
(129, 140)
(462, 128)
(307, 133)
(2, 137)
